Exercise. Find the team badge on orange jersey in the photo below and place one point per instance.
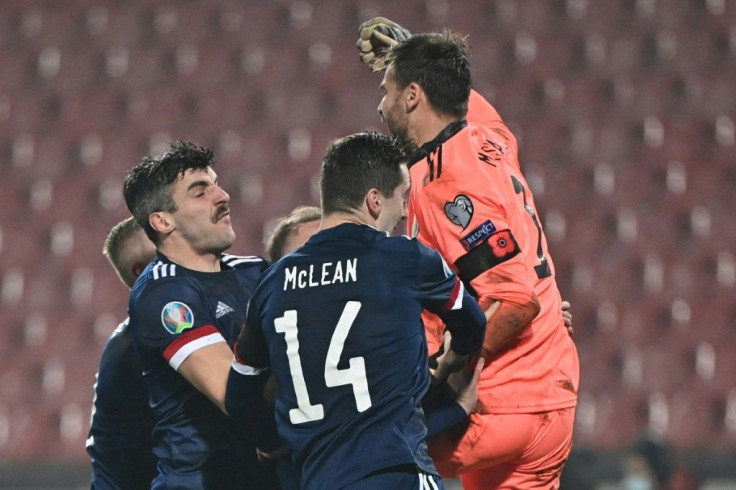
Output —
(460, 210)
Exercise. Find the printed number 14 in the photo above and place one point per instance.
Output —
(353, 375)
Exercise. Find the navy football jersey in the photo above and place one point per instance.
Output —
(173, 312)
(119, 443)
(338, 321)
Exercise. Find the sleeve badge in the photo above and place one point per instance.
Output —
(177, 317)
(460, 210)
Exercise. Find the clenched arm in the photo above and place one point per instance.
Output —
(207, 370)
(507, 324)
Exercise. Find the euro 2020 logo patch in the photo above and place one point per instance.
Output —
(177, 317)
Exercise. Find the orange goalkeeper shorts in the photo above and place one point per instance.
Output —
(510, 451)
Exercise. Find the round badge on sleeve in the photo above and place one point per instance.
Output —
(177, 317)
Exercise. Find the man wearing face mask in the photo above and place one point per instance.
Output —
(651, 464)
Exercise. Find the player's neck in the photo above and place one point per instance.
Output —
(429, 125)
(358, 217)
(192, 259)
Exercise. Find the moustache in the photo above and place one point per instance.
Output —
(221, 211)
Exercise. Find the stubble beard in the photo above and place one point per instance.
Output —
(401, 133)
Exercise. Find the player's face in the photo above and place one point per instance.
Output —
(203, 212)
(395, 207)
(390, 108)
(300, 236)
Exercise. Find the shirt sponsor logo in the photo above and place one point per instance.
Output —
(460, 210)
(177, 317)
(478, 235)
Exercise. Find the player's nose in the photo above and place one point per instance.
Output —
(221, 196)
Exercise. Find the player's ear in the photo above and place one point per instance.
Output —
(161, 222)
(374, 201)
(137, 268)
(413, 94)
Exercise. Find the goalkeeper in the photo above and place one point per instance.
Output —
(470, 200)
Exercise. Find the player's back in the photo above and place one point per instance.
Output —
(119, 442)
(348, 351)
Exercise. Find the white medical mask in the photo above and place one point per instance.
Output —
(637, 482)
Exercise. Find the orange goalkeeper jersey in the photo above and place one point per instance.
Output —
(470, 201)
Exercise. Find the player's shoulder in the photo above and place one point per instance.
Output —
(401, 246)
(119, 341)
(407, 246)
(120, 329)
(163, 281)
(474, 140)
(244, 261)
(157, 272)
(247, 268)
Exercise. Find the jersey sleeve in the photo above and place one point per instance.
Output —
(442, 412)
(444, 294)
(244, 399)
(468, 216)
(175, 321)
(480, 111)
(251, 349)
(439, 286)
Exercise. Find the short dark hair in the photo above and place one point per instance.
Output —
(439, 63)
(287, 226)
(118, 240)
(147, 188)
(354, 164)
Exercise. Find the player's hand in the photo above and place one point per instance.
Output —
(465, 386)
(567, 316)
(376, 37)
(448, 362)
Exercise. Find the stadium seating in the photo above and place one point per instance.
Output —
(626, 137)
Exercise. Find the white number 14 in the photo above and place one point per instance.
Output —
(353, 375)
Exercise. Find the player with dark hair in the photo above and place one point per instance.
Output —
(292, 231)
(338, 322)
(470, 201)
(119, 442)
(186, 310)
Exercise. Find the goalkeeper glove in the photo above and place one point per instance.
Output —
(376, 37)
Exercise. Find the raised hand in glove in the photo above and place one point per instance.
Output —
(375, 39)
